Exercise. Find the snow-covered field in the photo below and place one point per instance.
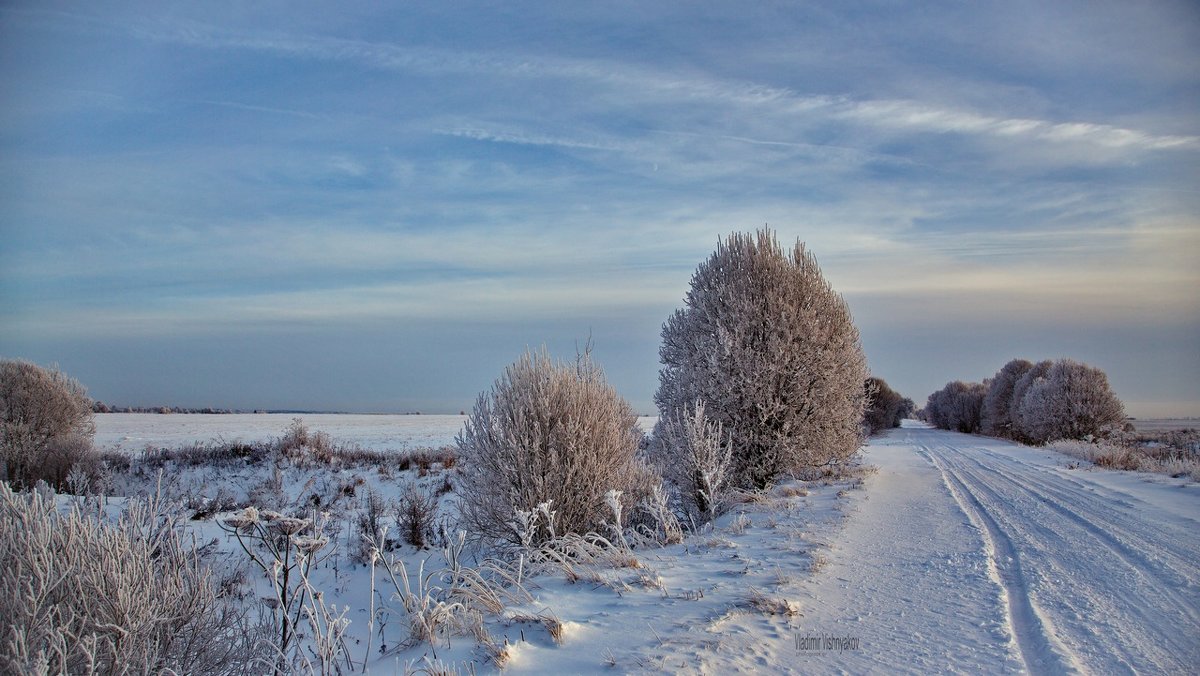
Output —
(134, 431)
(1165, 424)
(961, 553)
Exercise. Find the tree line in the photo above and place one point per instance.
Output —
(1034, 403)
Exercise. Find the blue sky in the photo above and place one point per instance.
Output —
(369, 208)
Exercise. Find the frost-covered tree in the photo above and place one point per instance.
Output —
(45, 422)
(547, 432)
(883, 406)
(956, 406)
(694, 453)
(996, 416)
(772, 352)
(1072, 401)
(1022, 386)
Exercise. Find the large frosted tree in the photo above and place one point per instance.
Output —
(996, 415)
(957, 406)
(1031, 377)
(772, 353)
(1073, 401)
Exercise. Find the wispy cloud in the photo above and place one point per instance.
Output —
(265, 109)
(520, 138)
(639, 82)
(913, 115)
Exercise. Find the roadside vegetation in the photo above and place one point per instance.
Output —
(771, 351)
(1064, 405)
(762, 399)
(886, 408)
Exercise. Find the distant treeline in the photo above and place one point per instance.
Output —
(101, 407)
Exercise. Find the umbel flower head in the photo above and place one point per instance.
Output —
(244, 519)
(307, 544)
(289, 525)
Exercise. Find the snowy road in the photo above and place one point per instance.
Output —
(972, 554)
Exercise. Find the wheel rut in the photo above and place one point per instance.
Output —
(1035, 641)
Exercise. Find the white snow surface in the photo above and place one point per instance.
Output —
(132, 432)
(961, 554)
(974, 555)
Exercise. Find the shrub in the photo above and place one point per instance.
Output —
(300, 444)
(370, 526)
(416, 513)
(694, 453)
(772, 352)
(1026, 381)
(883, 406)
(996, 415)
(81, 596)
(1073, 401)
(212, 454)
(45, 421)
(547, 432)
(956, 406)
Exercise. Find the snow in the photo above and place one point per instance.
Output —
(132, 432)
(960, 553)
(974, 554)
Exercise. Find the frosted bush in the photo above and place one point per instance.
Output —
(695, 454)
(416, 512)
(996, 415)
(46, 423)
(1037, 372)
(659, 526)
(82, 596)
(1073, 401)
(772, 352)
(547, 432)
(885, 406)
(957, 406)
(1126, 455)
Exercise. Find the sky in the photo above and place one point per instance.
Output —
(375, 207)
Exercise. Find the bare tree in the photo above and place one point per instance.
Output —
(996, 416)
(1073, 401)
(547, 433)
(45, 423)
(772, 352)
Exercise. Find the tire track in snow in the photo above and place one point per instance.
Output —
(1126, 611)
(1176, 549)
(1042, 545)
(1131, 556)
(1038, 646)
